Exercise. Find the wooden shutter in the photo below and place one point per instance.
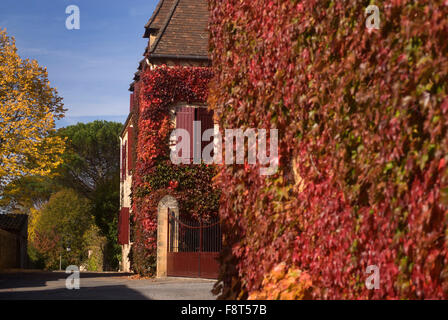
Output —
(206, 118)
(184, 120)
(123, 226)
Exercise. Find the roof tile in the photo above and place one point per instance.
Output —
(185, 32)
(159, 15)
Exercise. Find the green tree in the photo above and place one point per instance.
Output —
(63, 224)
(92, 167)
(27, 192)
(92, 157)
(95, 245)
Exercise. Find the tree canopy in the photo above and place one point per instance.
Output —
(92, 157)
(91, 165)
(28, 109)
(63, 223)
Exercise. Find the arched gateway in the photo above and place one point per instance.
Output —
(186, 247)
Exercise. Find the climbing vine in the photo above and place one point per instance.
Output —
(363, 120)
(154, 175)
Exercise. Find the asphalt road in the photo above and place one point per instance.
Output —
(99, 286)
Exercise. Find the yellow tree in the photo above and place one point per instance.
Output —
(28, 109)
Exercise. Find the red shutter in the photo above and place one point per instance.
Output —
(184, 120)
(130, 149)
(123, 226)
(206, 118)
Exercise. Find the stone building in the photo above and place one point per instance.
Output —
(177, 34)
(13, 241)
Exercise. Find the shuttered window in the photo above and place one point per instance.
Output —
(206, 118)
(123, 226)
(184, 120)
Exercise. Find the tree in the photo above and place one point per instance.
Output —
(93, 155)
(92, 167)
(28, 109)
(27, 192)
(63, 222)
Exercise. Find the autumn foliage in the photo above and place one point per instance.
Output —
(154, 175)
(284, 283)
(363, 119)
(29, 107)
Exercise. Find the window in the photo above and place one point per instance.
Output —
(123, 226)
(185, 117)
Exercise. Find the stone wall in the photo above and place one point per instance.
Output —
(125, 201)
(167, 203)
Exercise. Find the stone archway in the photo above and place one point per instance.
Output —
(167, 203)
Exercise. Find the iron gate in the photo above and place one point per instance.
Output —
(193, 247)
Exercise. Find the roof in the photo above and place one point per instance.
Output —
(158, 17)
(181, 30)
(127, 123)
(13, 222)
(184, 33)
(137, 75)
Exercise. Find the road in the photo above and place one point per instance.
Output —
(99, 286)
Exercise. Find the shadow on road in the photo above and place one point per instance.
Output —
(118, 292)
(39, 279)
(33, 285)
(51, 286)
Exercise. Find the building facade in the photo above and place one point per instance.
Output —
(13, 241)
(177, 34)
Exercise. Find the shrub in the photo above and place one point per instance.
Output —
(95, 245)
(63, 222)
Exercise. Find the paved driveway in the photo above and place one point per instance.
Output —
(93, 286)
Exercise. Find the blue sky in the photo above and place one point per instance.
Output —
(91, 67)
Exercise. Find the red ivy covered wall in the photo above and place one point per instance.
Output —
(154, 175)
(363, 118)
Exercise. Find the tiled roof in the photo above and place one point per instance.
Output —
(181, 30)
(12, 222)
(159, 15)
(184, 32)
